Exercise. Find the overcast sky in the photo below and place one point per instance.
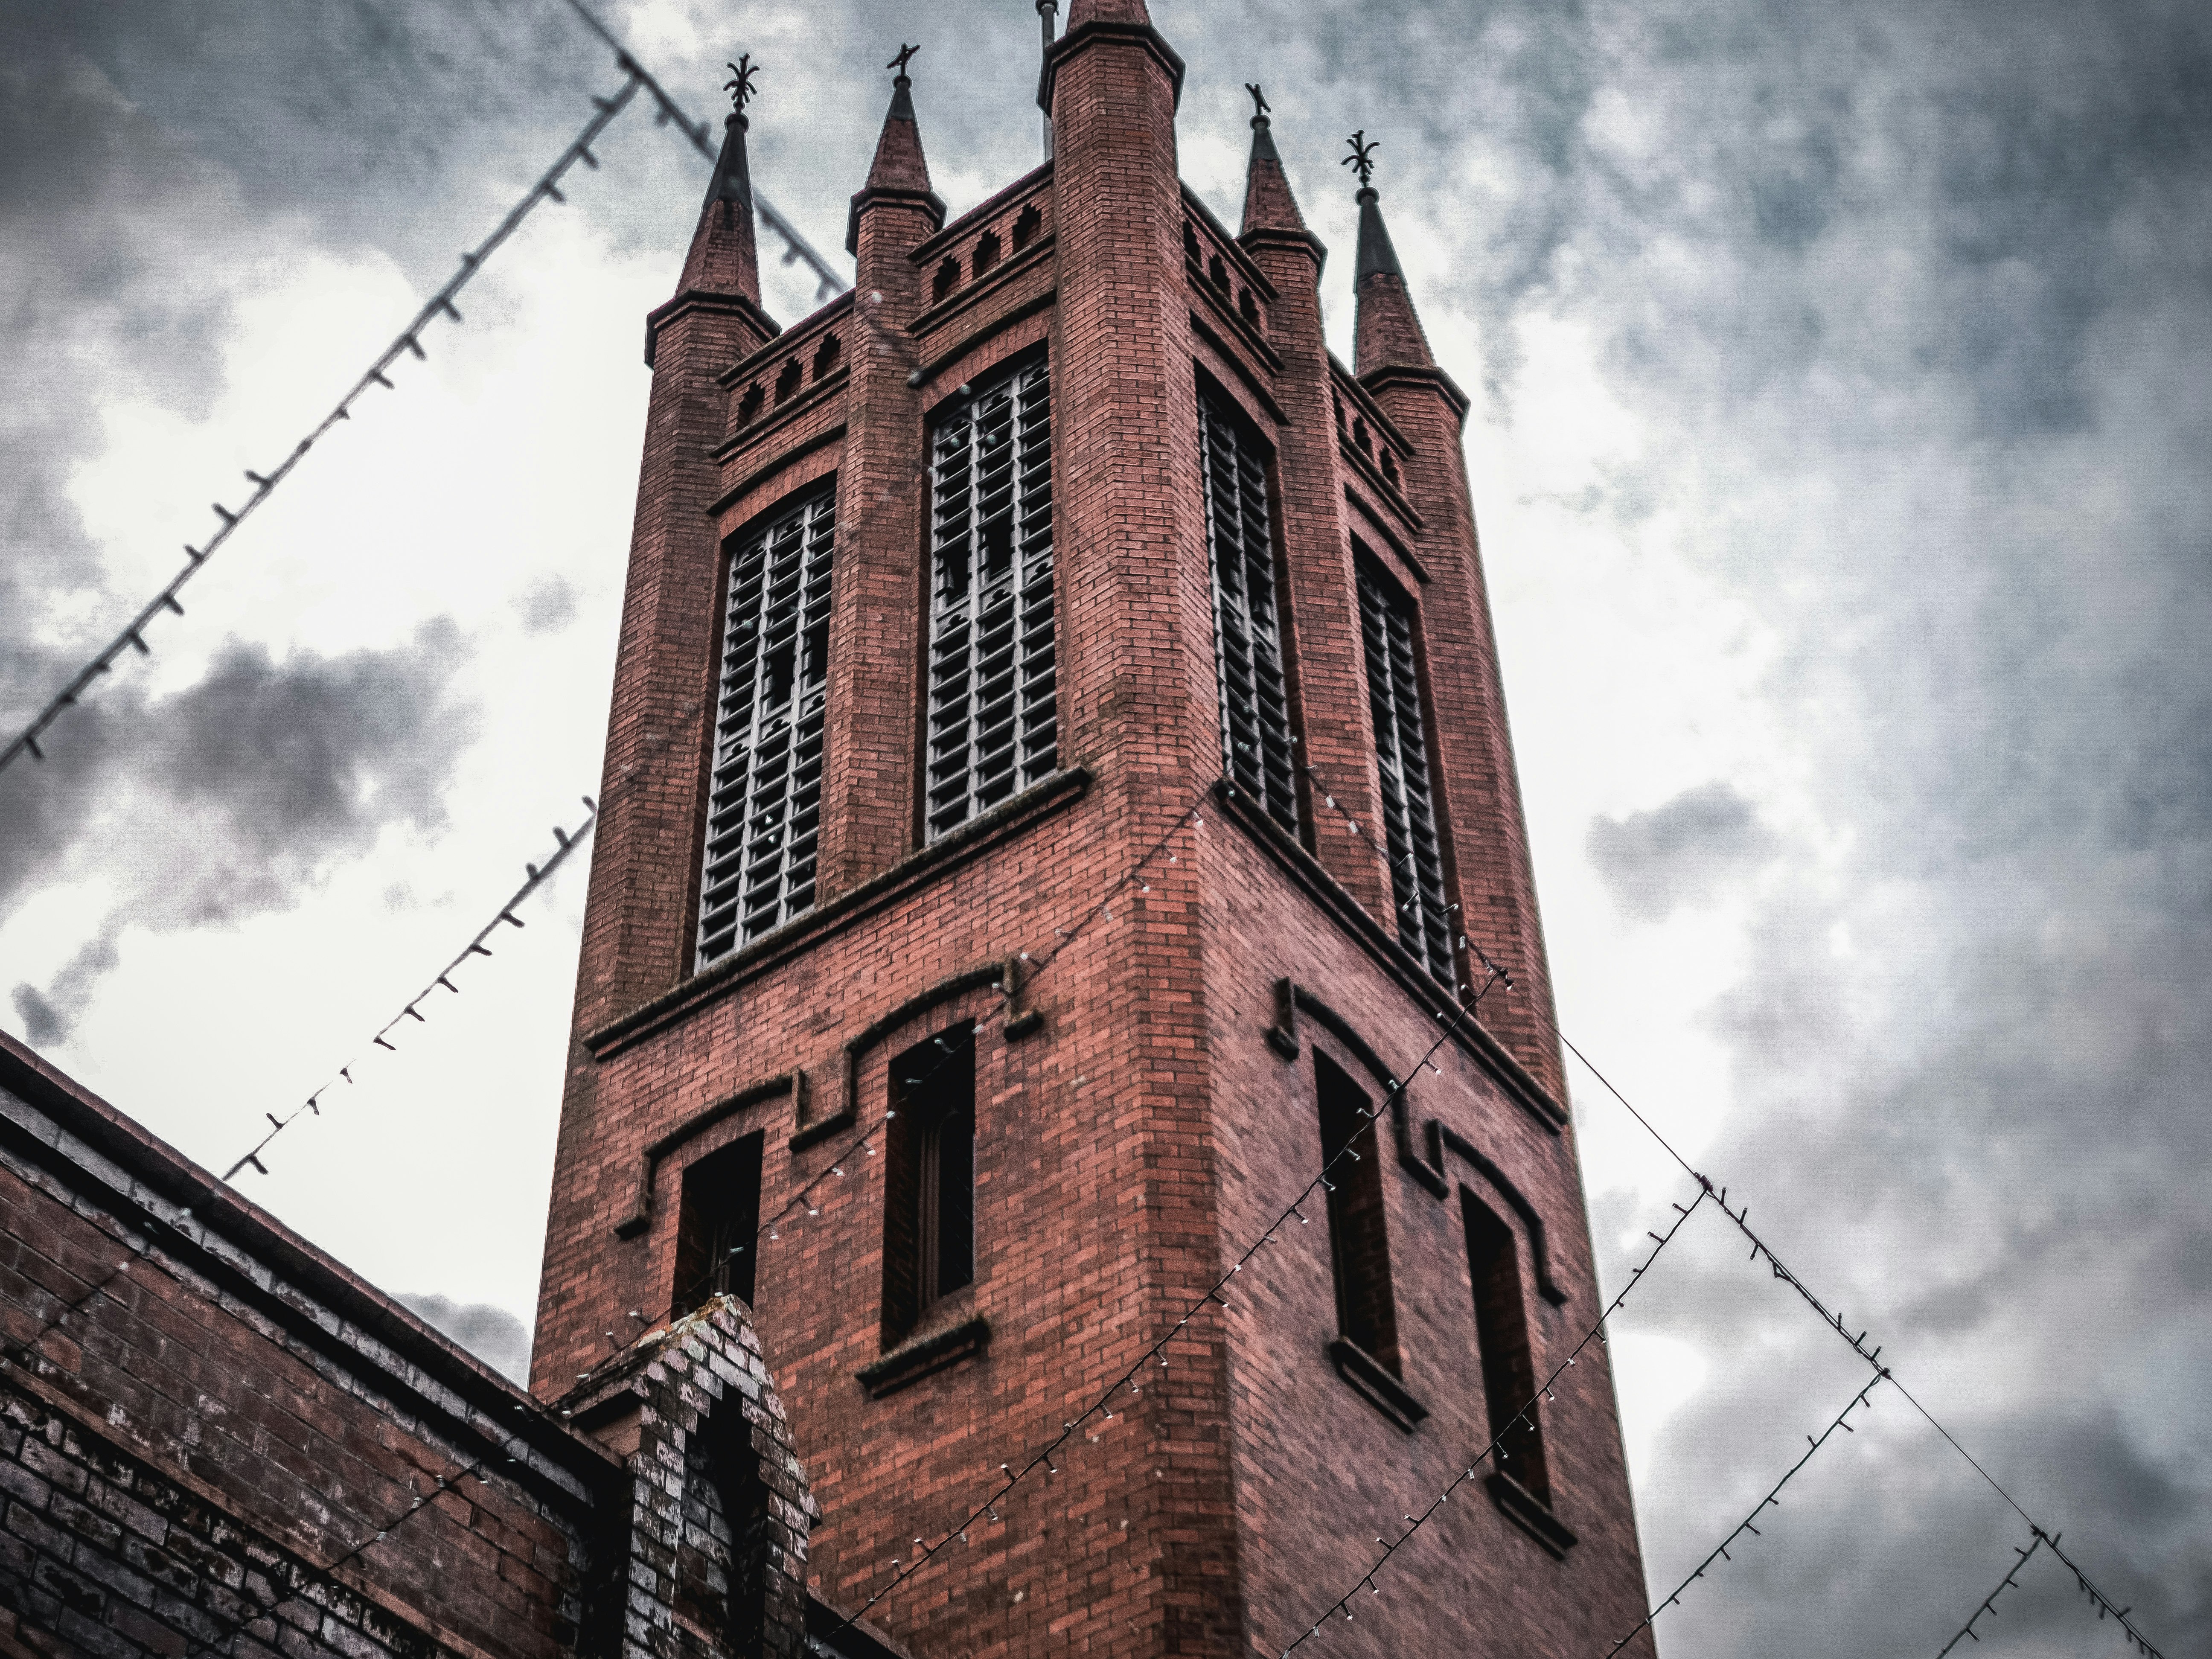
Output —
(1840, 443)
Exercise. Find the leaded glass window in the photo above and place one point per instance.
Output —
(993, 728)
(1247, 643)
(1401, 752)
(764, 808)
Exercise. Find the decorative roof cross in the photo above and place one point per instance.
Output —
(1362, 159)
(899, 62)
(1259, 98)
(740, 89)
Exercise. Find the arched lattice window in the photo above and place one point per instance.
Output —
(1401, 754)
(992, 726)
(764, 803)
(1247, 642)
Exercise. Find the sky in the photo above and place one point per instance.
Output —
(1841, 413)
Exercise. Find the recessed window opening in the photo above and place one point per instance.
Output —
(947, 279)
(1027, 225)
(1359, 1234)
(716, 1224)
(764, 796)
(1501, 1334)
(721, 1577)
(1248, 644)
(986, 252)
(929, 1221)
(1387, 624)
(992, 726)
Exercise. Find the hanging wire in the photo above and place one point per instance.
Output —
(133, 636)
(565, 842)
(875, 1128)
(1748, 1523)
(827, 282)
(1524, 1416)
(1989, 1604)
(1834, 1320)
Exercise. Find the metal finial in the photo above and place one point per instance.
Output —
(1362, 159)
(740, 86)
(1259, 99)
(899, 62)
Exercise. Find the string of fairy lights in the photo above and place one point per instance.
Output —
(1831, 1318)
(536, 875)
(1467, 999)
(1987, 1608)
(133, 636)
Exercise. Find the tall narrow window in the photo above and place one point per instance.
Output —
(1247, 641)
(721, 1577)
(929, 1221)
(1402, 750)
(994, 727)
(716, 1224)
(1501, 1333)
(1358, 1240)
(764, 806)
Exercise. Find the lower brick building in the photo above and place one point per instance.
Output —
(214, 1440)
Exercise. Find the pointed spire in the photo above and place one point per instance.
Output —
(725, 258)
(1387, 332)
(1269, 203)
(900, 171)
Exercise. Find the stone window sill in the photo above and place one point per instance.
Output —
(924, 1356)
(1374, 1383)
(1531, 1514)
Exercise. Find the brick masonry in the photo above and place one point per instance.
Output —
(1137, 1123)
(214, 1440)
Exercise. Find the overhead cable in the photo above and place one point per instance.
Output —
(565, 842)
(827, 282)
(1989, 1603)
(1834, 1320)
(1749, 1523)
(1342, 1604)
(410, 342)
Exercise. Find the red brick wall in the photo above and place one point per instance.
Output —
(1130, 1146)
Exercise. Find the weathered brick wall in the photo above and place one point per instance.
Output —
(103, 1554)
(207, 1422)
(695, 1411)
(213, 1440)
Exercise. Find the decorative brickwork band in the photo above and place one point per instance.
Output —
(1422, 1159)
(1004, 975)
(640, 1215)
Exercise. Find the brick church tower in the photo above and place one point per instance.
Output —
(1057, 784)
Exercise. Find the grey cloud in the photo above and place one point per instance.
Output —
(236, 794)
(233, 796)
(1680, 852)
(485, 1329)
(547, 605)
(49, 1015)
